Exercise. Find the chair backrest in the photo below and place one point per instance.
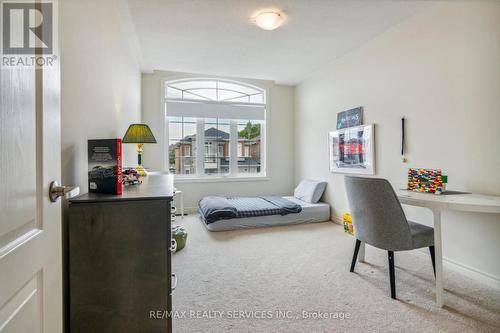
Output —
(378, 217)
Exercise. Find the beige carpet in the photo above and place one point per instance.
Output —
(227, 278)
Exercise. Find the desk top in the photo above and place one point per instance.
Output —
(155, 186)
(468, 202)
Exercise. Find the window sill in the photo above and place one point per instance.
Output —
(228, 179)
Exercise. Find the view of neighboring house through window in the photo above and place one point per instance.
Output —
(215, 127)
(217, 146)
(182, 145)
(249, 146)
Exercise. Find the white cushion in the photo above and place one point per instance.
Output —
(309, 190)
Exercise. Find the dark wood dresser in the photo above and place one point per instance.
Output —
(118, 260)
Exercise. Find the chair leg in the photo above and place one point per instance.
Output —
(433, 258)
(391, 274)
(355, 255)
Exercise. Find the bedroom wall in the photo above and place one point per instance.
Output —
(440, 70)
(100, 82)
(280, 139)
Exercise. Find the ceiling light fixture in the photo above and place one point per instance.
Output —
(269, 19)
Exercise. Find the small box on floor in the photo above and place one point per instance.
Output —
(348, 227)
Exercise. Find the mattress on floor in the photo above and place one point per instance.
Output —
(318, 212)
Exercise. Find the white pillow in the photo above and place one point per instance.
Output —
(310, 190)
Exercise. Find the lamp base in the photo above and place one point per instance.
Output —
(141, 171)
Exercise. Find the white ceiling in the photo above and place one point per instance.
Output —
(217, 36)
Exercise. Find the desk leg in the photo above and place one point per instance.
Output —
(439, 257)
(361, 253)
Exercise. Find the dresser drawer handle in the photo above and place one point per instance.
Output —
(174, 281)
(173, 245)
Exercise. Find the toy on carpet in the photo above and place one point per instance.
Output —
(180, 236)
(348, 226)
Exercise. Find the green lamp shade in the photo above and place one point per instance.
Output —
(139, 133)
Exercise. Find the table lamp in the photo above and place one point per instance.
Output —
(140, 134)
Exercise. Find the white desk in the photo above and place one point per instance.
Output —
(437, 204)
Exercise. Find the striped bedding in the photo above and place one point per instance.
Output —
(251, 207)
(248, 207)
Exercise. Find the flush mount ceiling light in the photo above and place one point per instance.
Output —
(269, 19)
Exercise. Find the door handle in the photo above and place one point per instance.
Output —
(56, 191)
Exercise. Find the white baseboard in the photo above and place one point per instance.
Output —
(470, 272)
(187, 210)
(337, 219)
(473, 273)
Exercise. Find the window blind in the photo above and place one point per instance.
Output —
(215, 110)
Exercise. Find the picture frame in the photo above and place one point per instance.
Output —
(350, 118)
(352, 150)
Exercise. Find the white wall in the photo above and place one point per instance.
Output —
(440, 70)
(101, 82)
(279, 140)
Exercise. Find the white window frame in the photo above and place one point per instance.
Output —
(233, 174)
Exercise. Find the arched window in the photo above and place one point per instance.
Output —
(215, 128)
(215, 90)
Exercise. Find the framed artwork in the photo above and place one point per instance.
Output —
(350, 118)
(352, 150)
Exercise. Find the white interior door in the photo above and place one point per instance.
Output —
(30, 225)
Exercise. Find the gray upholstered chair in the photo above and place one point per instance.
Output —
(379, 220)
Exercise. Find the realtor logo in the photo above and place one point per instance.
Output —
(27, 28)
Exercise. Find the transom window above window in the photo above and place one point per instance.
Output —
(214, 90)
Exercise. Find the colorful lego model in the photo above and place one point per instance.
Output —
(426, 180)
(348, 227)
(131, 177)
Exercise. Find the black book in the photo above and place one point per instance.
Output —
(105, 166)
